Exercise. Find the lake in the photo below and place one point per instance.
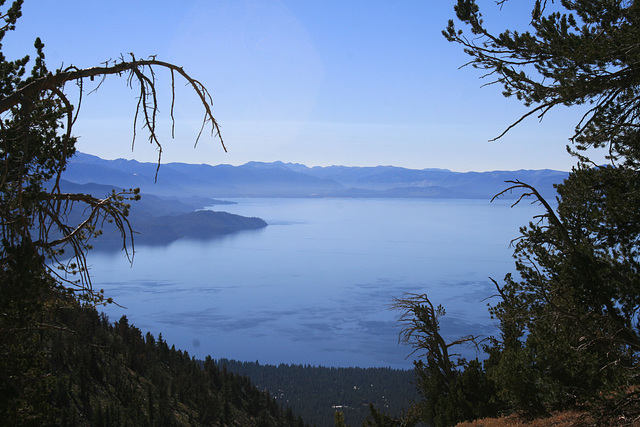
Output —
(314, 287)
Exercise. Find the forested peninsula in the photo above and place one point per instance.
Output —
(160, 220)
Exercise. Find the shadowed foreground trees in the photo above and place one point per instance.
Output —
(570, 323)
(569, 320)
(108, 374)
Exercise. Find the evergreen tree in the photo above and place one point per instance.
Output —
(569, 321)
(35, 144)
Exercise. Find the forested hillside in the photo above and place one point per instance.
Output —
(317, 392)
(78, 368)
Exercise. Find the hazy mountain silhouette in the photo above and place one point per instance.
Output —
(278, 179)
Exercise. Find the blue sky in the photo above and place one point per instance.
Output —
(357, 83)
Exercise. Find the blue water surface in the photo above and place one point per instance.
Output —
(314, 287)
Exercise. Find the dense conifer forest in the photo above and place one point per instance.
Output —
(317, 392)
(78, 368)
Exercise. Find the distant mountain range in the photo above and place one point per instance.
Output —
(278, 179)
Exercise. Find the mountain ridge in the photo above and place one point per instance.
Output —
(279, 179)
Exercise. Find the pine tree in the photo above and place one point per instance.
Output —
(569, 322)
(570, 319)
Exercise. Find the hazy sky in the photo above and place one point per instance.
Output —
(319, 82)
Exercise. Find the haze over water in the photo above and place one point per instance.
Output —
(315, 285)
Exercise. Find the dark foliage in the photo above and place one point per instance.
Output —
(36, 144)
(83, 370)
(570, 332)
(569, 320)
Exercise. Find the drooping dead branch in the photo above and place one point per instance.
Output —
(137, 70)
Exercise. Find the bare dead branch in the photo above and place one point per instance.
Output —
(136, 68)
(421, 331)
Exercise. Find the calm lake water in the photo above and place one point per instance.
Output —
(315, 285)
